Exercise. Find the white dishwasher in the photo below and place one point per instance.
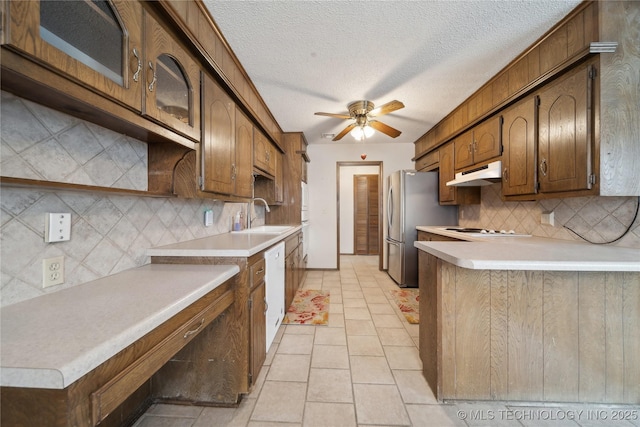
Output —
(274, 282)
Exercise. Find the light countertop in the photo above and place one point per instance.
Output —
(528, 253)
(224, 245)
(52, 340)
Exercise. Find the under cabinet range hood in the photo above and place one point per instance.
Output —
(483, 175)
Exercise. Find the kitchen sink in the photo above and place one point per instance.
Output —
(266, 229)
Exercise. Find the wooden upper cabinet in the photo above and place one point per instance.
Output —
(95, 43)
(519, 155)
(243, 173)
(478, 144)
(264, 153)
(227, 141)
(487, 142)
(463, 150)
(565, 135)
(218, 139)
(171, 81)
(446, 172)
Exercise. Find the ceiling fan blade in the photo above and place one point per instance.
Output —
(344, 132)
(386, 129)
(387, 108)
(338, 116)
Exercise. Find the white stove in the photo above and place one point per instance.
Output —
(484, 232)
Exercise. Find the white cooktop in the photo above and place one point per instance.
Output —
(483, 232)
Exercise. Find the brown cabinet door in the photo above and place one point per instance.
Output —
(218, 139)
(290, 278)
(463, 150)
(565, 137)
(243, 166)
(279, 178)
(487, 140)
(258, 330)
(263, 153)
(98, 44)
(171, 82)
(519, 155)
(447, 173)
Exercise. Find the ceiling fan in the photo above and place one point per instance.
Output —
(362, 112)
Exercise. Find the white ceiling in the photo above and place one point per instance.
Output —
(309, 56)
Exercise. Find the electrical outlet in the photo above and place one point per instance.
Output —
(52, 271)
(547, 218)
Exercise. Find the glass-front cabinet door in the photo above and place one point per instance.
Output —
(172, 82)
(96, 43)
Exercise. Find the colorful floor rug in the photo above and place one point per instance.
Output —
(309, 307)
(408, 301)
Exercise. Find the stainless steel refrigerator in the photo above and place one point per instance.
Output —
(412, 200)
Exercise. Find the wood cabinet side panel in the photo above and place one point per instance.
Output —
(472, 333)
(560, 336)
(619, 113)
(614, 350)
(525, 335)
(591, 306)
(499, 335)
(631, 314)
(428, 331)
(446, 330)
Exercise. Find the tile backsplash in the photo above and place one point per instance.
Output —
(109, 233)
(44, 144)
(598, 219)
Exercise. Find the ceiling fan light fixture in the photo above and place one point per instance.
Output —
(362, 132)
(357, 133)
(368, 131)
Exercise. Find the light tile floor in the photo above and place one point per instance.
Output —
(363, 369)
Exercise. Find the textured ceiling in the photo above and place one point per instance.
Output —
(308, 56)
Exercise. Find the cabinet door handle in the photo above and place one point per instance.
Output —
(475, 146)
(505, 174)
(155, 77)
(193, 331)
(259, 272)
(233, 171)
(543, 167)
(470, 147)
(136, 75)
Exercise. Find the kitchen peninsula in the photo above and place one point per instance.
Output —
(529, 319)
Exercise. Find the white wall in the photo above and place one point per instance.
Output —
(347, 203)
(322, 189)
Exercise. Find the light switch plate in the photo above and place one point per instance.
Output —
(57, 227)
(547, 218)
(208, 218)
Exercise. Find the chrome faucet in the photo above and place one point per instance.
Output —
(250, 217)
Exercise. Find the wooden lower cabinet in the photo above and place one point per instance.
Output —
(258, 330)
(293, 268)
(425, 236)
(557, 336)
(257, 316)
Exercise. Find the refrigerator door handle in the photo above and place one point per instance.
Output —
(389, 209)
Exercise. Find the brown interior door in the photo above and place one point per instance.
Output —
(366, 215)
